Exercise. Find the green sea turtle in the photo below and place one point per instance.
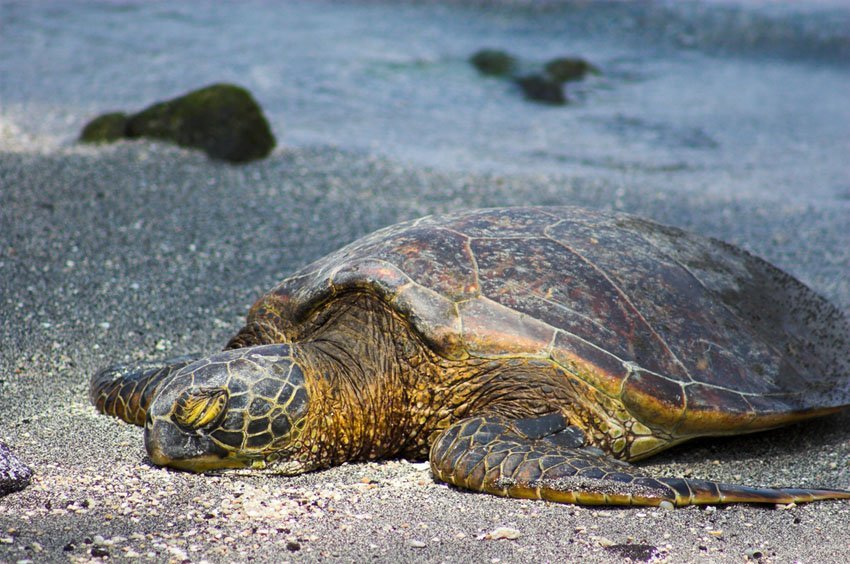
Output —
(527, 352)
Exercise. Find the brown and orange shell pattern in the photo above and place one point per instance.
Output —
(692, 335)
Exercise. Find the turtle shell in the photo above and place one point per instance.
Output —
(691, 334)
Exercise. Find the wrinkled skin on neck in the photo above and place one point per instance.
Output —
(360, 386)
(377, 391)
(342, 395)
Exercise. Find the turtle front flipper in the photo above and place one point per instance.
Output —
(125, 390)
(544, 458)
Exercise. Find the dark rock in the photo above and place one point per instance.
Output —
(634, 552)
(754, 554)
(99, 552)
(105, 129)
(14, 474)
(493, 62)
(224, 120)
(542, 89)
(564, 69)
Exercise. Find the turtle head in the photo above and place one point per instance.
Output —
(242, 408)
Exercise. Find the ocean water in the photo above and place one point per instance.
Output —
(749, 98)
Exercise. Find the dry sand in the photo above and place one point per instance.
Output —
(146, 251)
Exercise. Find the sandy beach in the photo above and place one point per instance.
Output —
(144, 251)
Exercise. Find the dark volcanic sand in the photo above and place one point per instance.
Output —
(145, 251)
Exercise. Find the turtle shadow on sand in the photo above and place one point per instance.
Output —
(822, 434)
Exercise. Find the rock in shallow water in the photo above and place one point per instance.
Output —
(564, 69)
(544, 86)
(493, 62)
(14, 474)
(542, 89)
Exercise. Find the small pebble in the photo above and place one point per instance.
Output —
(416, 543)
(502, 533)
(753, 554)
(605, 542)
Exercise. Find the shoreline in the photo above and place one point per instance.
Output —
(141, 250)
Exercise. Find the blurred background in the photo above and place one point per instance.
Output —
(725, 97)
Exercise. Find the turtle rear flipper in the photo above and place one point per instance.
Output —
(125, 390)
(515, 459)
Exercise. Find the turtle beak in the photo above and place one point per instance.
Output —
(157, 456)
(201, 464)
(169, 446)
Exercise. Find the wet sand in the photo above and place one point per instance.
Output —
(144, 251)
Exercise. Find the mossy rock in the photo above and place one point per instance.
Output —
(493, 62)
(105, 129)
(540, 88)
(223, 119)
(564, 69)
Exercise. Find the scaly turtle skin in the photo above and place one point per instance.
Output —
(528, 352)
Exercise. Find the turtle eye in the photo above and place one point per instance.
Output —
(199, 408)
